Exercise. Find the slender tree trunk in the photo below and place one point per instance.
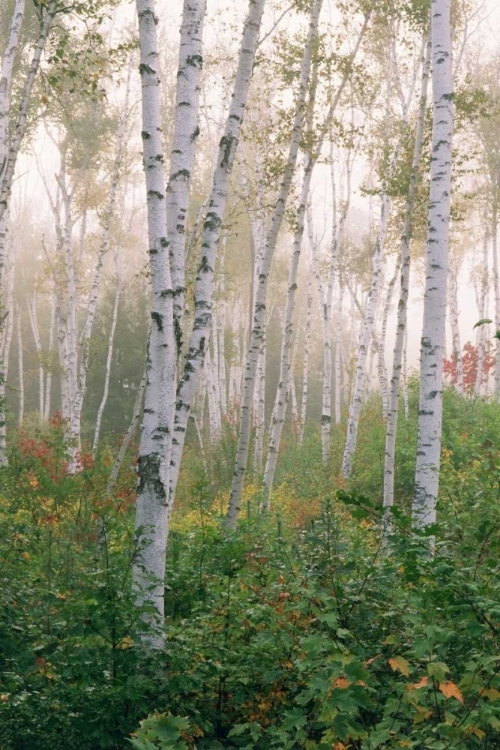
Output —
(20, 367)
(32, 310)
(259, 410)
(258, 323)
(186, 132)
(455, 330)
(338, 355)
(48, 377)
(399, 359)
(203, 292)
(305, 361)
(134, 423)
(85, 337)
(481, 299)
(8, 164)
(496, 281)
(107, 376)
(381, 366)
(282, 393)
(259, 314)
(432, 345)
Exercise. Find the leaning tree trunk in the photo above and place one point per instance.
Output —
(371, 307)
(259, 314)
(258, 324)
(433, 334)
(399, 360)
(186, 132)
(282, 393)
(203, 291)
(11, 152)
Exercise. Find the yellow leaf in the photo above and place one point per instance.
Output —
(492, 693)
(478, 732)
(450, 690)
(399, 664)
(125, 643)
(420, 684)
(26, 556)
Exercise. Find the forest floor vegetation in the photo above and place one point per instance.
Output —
(305, 629)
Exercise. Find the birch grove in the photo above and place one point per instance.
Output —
(218, 234)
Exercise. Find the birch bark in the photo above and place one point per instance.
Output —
(259, 314)
(20, 367)
(432, 344)
(455, 330)
(371, 306)
(8, 164)
(305, 361)
(481, 300)
(496, 283)
(152, 505)
(134, 423)
(399, 359)
(203, 291)
(109, 360)
(183, 150)
(33, 315)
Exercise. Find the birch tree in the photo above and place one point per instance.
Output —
(398, 364)
(373, 296)
(204, 283)
(259, 311)
(432, 342)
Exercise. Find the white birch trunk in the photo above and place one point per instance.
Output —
(381, 366)
(214, 415)
(203, 291)
(305, 361)
(338, 354)
(80, 386)
(481, 299)
(282, 393)
(134, 423)
(432, 346)
(153, 500)
(370, 312)
(48, 377)
(259, 411)
(455, 330)
(20, 367)
(496, 283)
(8, 164)
(183, 150)
(107, 377)
(399, 358)
(259, 314)
(33, 314)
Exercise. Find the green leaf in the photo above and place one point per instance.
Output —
(482, 322)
